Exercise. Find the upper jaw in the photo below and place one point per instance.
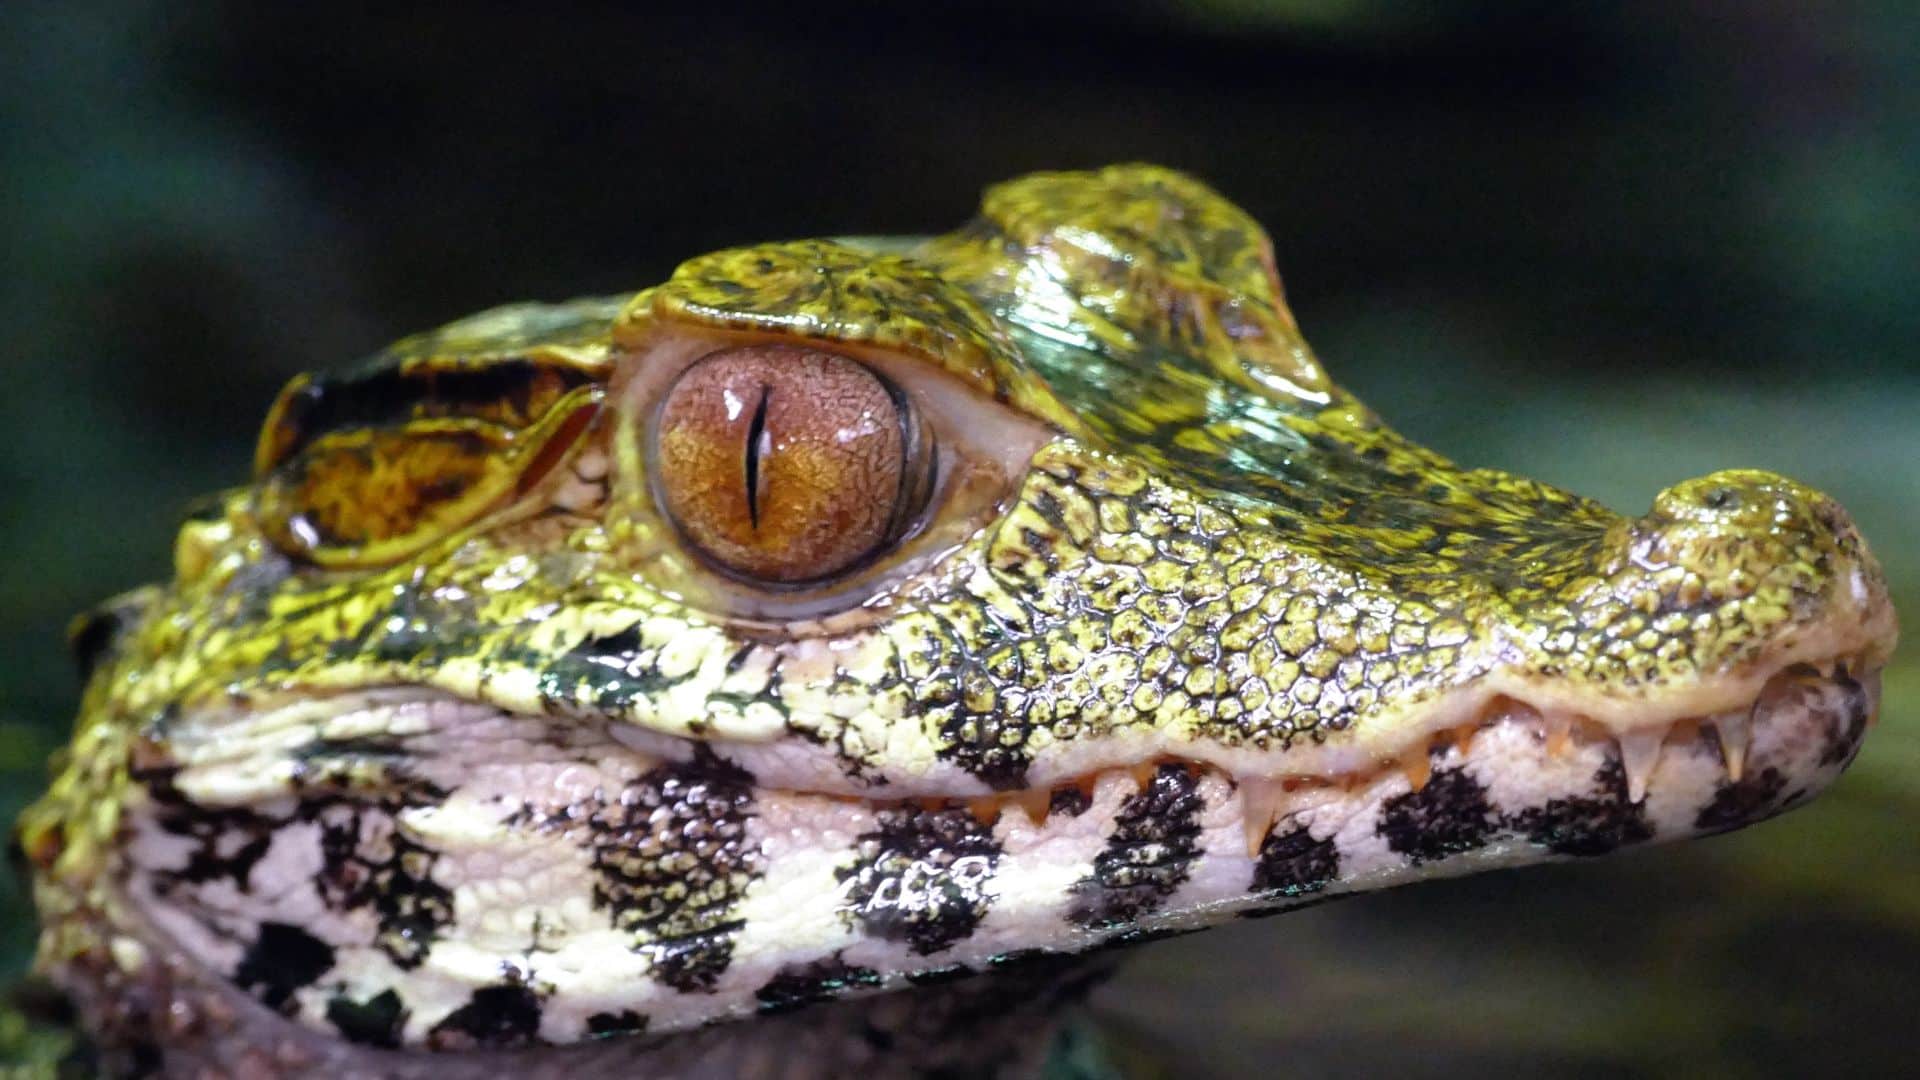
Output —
(1636, 739)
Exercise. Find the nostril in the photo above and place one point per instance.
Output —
(1734, 498)
(1720, 498)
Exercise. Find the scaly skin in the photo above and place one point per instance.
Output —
(476, 762)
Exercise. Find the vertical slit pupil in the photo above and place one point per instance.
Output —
(756, 430)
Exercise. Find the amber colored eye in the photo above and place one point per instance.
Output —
(786, 465)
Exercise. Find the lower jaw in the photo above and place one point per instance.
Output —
(1127, 855)
(170, 1016)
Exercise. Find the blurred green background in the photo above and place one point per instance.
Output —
(1609, 246)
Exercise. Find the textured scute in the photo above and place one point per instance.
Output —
(1147, 857)
(921, 877)
(1448, 816)
(1588, 824)
(673, 859)
(1294, 863)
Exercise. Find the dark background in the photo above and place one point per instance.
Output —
(1609, 250)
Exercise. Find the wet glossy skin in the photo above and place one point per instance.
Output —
(467, 728)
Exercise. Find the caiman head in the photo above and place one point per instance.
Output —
(842, 616)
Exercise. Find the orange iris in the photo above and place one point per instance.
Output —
(787, 464)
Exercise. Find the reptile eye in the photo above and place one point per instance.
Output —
(786, 465)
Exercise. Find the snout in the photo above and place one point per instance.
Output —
(1736, 570)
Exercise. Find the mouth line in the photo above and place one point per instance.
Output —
(1268, 784)
(1267, 799)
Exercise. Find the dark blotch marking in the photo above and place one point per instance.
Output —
(1293, 864)
(800, 985)
(419, 626)
(921, 877)
(1449, 816)
(1150, 854)
(1070, 801)
(1844, 735)
(614, 670)
(673, 862)
(1267, 911)
(1587, 826)
(494, 1016)
(283, 959)
(1754, 798)
(210, 829)
(376, 1021)
(977, 742)
(1019, 958)
(369, 861)
(612, 1025)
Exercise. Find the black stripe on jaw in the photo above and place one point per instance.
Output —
(494, 1016)
(1149, 855)
(1449, 816)
(1292, 864)
(1598, 824)
(921, 876)
(280, 961)
(673, 861)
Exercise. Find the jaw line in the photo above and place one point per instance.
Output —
(1727, 710)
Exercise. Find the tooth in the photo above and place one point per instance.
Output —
(985, 809)
(1559, 733)
(1418, 768)
(1639, 751)
(1459, 739)
(1260, 801)
(1035, 801)
(1142, 772)
(1736, 734)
